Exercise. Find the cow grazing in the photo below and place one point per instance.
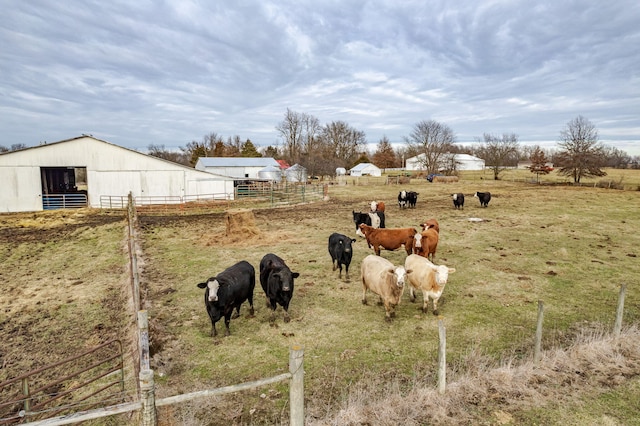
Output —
(431, 279)
(389, 239)
(276, 280)
(426, 243)
(341, 252)
(384, 279)
(227, 291)
(458, 200)
(430, 223)
(412, 199)
(402, 199)
(375, 219)
(484, 198)
(377, 206)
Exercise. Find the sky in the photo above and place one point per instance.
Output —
(165, 73)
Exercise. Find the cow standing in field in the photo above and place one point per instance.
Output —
(377, 206)
(341, 251)
(389, 239)
(431, 279)
(458, 200)
(402, 199)
(374, 219)
(484, 198)
(426, 243)
(227, 291)
(412, 199)
(276, 280)
(430, 223)
(384, 279)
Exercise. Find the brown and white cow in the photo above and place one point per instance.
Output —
(426, 243)
(388, 238)
(430, 223)
(377, 206)
(428, 277)
(384, 279)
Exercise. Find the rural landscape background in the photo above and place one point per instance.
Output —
(65, 283)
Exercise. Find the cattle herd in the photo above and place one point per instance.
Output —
(227, 291)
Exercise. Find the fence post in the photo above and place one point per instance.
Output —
(538, 344)
(442, 358)
(148, 399)
(296, 388)
(618, 325)
(143, 339)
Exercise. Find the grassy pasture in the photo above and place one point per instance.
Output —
(570, 247)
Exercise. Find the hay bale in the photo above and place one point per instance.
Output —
(241, 222)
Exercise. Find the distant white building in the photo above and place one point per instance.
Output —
(238, 167)
(364, 169)
(464, 162)
(296, 173)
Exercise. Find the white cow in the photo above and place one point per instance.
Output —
(428, 277)
(384, 279)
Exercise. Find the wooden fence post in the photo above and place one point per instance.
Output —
(148, 399)
(296, 388)
(442, 358)
(143, 339)
(618, 325)
(538, 344)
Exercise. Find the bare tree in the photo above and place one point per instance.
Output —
(343, 142)
(161, 152)
(499, 152)
(581, 155)
(292, 131)
(432, 141)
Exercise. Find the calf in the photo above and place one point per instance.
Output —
(425, 243)
(375, 219)
(377, 206)
(389, 239)
(458, 200)
(431, 279)
(484, 198)
(430, 223)
(382, 278)
(402, 199)
(341, 252)
(276, 280)
(227, 291)
(412, 199)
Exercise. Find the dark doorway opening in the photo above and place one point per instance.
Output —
(64, 187)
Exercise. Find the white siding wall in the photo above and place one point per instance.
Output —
(111, 170)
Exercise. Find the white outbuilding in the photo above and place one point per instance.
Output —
(92, 170)
(365, 169)
(296, 174)
(463, 162)
(238, 167)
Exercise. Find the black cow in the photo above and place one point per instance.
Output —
(402, 199)
(412, 199)
(374, 219)
(484, 198)
(341, 251)
(458, 200)
(228, 290)
(276, 280)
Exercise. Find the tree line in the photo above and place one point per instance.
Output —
(321, 149)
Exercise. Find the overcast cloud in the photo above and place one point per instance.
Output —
(137, 73)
